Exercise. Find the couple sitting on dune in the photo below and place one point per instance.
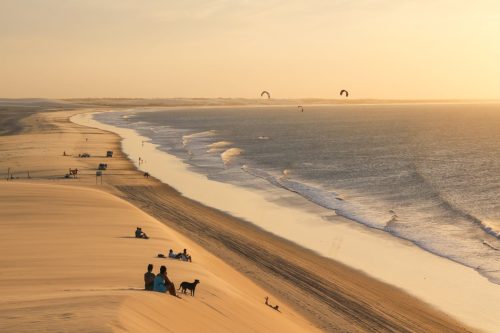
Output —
(160, 282)
(140, 234)
(182, 256)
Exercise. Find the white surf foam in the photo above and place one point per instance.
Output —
(327, 199)
(218, 146)
(186, 139)
(228, 155)
(491, 227)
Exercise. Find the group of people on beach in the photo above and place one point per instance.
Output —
(184, 256)
(159, 282)
(140, 234)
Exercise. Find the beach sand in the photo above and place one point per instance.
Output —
(71, 265)
(70, 262)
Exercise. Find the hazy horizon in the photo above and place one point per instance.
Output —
(376, 49)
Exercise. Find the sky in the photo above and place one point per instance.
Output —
(384, 49)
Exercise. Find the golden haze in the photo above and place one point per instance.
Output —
(159, 48)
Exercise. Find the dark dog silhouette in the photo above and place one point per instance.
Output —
(189, 285)
(276, 307)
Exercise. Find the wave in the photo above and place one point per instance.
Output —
(490, 246)
(263, 138)
(188, 137)
(386, 221)
(326, 199)
(218, 146)
(228, 155)
(261, 174)
(491, 227)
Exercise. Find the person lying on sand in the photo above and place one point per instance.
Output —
(162, 283)
(276, 307)
(182, 256)
(172, 255)
(149, 278)
(140, 234)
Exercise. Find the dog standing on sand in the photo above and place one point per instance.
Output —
(189, 285)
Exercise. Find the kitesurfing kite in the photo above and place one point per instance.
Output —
(344, 92)
(265, 93)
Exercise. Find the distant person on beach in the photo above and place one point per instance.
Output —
(181, 255)
(185, 256)
(149, 278)
(162, 283)
(140, 234)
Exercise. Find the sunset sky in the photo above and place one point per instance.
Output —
(236, 48)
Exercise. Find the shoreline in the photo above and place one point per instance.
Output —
(452, 300)
(330, 295)
(71, 242)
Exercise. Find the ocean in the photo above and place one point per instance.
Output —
(428, 173)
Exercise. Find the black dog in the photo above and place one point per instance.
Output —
(189, 285)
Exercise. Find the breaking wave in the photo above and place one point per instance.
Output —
(218, 146)
(228, 155)
(326, 199)
(186, 139)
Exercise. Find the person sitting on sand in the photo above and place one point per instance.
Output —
(140, 234)
(149, 278)
(162, 283)
(185, 256)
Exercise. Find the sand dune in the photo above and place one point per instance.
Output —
(71, 264)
